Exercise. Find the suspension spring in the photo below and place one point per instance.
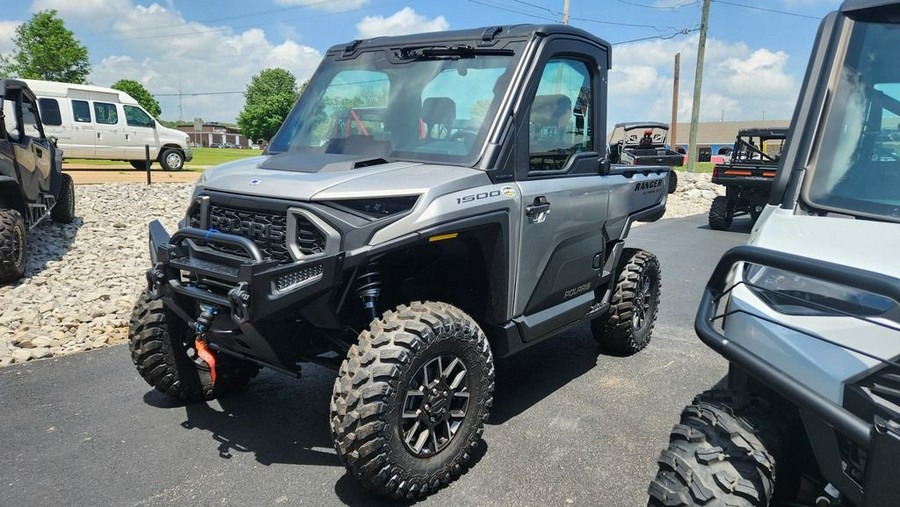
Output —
(368, 288)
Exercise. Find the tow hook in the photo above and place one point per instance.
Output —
(201, 325)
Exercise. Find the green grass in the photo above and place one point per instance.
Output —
(700, 167)
(203, 157)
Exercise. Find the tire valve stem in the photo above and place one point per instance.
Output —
(369, 288)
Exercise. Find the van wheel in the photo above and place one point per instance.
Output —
(171, 160)
(13, 245)
(140, 165)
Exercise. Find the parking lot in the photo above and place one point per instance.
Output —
(568, 426)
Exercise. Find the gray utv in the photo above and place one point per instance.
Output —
(32, 185)
(808, 314)
(432, 202)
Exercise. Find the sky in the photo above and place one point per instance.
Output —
(207, 51)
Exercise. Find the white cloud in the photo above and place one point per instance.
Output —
(7, 32)
(402, 22)
(739, 82)
(157, 47)
(326, 5)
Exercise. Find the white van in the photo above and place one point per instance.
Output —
(102, 123)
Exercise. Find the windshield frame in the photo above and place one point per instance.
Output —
(832, 125)
(391, 58)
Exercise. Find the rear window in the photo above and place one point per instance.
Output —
(106, 113)
(50, 111)
(81, 111)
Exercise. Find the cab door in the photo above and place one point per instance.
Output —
(140, 130)
(84, 136)
(110, 131)
(564, 196)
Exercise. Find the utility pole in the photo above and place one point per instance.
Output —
(698, 80)
(566, 12)
(674, 141)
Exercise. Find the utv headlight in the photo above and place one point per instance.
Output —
(379, 207)
(793, 294)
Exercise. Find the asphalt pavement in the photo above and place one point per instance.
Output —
(569, 426)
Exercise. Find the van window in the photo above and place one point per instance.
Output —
(81, 110)
(136, 117)
(50, 112)
(106, 113)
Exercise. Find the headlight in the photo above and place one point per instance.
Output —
(381, 207)
(794, 294)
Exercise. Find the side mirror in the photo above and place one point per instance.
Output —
(604, 166)
(152, 123)
(54, 141)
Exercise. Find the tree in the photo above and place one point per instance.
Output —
(140, 94)
(269, 98)
(46, 49)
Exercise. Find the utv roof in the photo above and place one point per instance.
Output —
(8, 83)
(770, 132)
(642, 125)
(484, 35)
(859, 5)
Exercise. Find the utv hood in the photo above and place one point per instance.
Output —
(305, 176)
(863, 244)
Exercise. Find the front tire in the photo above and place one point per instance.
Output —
(410, 401)
(720, 454)
(171, 159)
(721, 213)
(634, 305)
(13, 245)
(64, 210)
(161, 348)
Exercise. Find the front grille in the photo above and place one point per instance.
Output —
(267, 230)
(298, 278)
(310, 240)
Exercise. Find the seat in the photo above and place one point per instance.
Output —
(550, 115)
(439, 115)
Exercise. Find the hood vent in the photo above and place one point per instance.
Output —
(368, 163)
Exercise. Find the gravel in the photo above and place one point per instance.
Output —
(83, 278)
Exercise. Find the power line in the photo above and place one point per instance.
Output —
(660, 7)
(764, 9)
(194, 94)
(683, 31)
(541, 7)
(545, 18)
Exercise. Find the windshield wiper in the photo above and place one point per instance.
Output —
(438, 52)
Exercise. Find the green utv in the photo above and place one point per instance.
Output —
(432, 202)
(32, 185)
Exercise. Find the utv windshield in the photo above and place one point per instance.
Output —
(432, 104)
(858, 167)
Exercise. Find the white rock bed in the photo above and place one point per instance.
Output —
(83, 278)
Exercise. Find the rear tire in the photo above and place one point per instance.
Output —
(160, 344)
(140, 165)
(64, 210)
(634, 305)
(400, 427)
(673, 181)
(13, 245)
(171, 159)
(720, 454)
(721, 213)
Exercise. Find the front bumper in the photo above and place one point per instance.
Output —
(186, 271)
(839, 436)
(188, 154)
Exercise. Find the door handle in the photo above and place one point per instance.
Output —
(538, 210)
(98, 135)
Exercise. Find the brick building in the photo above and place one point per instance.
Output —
(214, 134)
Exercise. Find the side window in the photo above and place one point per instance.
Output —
(136, 117)
(50, 111)
(29, 116)
(81, 111)
(560, 121)
(10, 122)
(106, 113)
